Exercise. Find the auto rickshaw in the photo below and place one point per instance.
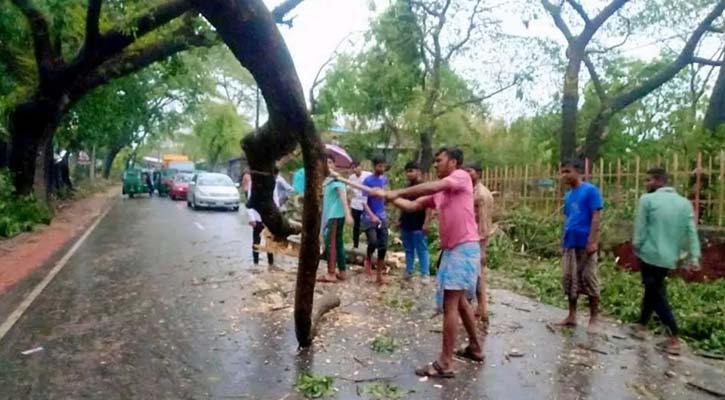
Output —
(163, 179)
(134, 182)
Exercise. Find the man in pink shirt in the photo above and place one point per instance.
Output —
(452, 196)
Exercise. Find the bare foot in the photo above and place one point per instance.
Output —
(593, 325)
(568, 321)
(673, 347)
(341, 276)
(380, 281)
(328, 278)
(639, 332)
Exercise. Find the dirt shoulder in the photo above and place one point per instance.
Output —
(25, 258)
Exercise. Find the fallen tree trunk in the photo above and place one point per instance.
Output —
(250, 31)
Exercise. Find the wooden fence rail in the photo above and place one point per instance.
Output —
(699, 177)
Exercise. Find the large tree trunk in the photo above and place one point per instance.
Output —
(596, 133)
(715, 115)
(570, 106)
(249, 30)
(4, 154)
(108, 161)
(32, 125)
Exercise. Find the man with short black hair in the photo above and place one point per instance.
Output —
(374, 220)
(413, 229)
(357, 200)
(580, 241)
(452, 196)
(663, 222)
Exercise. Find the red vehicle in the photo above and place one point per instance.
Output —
(179, 186)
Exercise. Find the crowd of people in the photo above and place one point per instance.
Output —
(464, 209)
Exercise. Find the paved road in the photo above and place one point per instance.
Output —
(162, 302)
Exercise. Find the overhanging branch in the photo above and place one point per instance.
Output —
(130, 62)
(45, 55)
(580, 10)
(283, 9)
(93, 16)
(475, 100)
(471, 25)
(705, 61)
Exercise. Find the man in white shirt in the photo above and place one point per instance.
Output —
(357, 200)
(280, 195)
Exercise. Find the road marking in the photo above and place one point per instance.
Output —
(20, 310)
(200, 226)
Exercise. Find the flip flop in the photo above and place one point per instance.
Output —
(439, 372)
(468, 354)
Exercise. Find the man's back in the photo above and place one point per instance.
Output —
(665, 222)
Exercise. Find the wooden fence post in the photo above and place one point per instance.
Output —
(698, 177)
(526, 182)
(636, 182)
(619, 179)
(601, 175)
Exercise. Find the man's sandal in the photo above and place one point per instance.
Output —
(438, 371)
(468, 354)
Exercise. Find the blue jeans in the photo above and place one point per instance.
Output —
(416, 242)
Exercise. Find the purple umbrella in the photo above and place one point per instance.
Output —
(342, 159)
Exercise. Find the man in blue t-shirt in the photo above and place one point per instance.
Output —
(580, 241)
(374, 220)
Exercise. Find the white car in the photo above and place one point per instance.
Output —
(212, 190)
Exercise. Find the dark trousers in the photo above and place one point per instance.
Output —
(257, 239)
(655, 296)
(377, 240)
(356, 216)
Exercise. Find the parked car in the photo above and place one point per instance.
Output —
(179, 186)
(162, 180)
(212, 190)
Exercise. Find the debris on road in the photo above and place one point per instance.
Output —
(31, 351)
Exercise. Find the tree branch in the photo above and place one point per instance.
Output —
(471, 25)
(684, 58)
(119, 38)
(600, 19)
(283, 9)
(620, 44)
(128, 63)
(474, 100)
(705, 61)
(93, 32)
(580, 10)
(45, 55)
(598, 87)
(555, 12)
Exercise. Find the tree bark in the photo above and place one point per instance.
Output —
(249, 30)
(31, 125)
(570, 106)
(715, 115)
(108, 162)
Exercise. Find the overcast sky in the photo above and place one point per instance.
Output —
(320, 25)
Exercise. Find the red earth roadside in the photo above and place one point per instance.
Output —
(25, 253)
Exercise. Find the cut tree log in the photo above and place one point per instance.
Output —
(327, 302)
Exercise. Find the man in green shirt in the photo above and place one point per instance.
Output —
(664, 222)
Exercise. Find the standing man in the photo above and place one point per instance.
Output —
(483, 208)
(246, 182)
(357, 201)
(335, 213)
(298, 181)
(374, 220)
(664, 221)
(452, 196)
(279, 196)
(413, 229)
(580, 241)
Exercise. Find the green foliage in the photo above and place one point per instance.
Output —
(383, 391)
(385, 343)
(216, 136)
(314, 386)
(18, 214)
(694, 304)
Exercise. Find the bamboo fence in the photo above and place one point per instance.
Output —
(698, 177)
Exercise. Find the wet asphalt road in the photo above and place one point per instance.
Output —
(162, 302)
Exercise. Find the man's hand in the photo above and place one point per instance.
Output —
(252, 224)
(348, 220)
(425, 229)
(592, 247)
(375, 220)
(391, 195)
(694, 266)
(377, 192)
